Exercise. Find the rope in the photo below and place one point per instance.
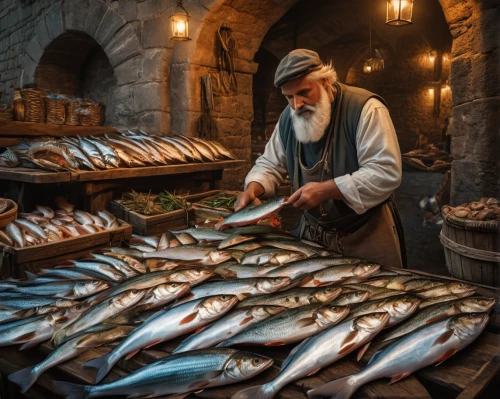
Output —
(226, 59)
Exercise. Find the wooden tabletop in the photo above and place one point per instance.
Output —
(12, 128)
(40, 176)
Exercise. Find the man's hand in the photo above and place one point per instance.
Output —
(249, 196)
(312, 195)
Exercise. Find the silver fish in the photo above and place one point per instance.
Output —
(164, 326)
(205, 256)
(352, 297)
(178, 374)
(163, 294)
(81, 158)
(454, 288)
(132, 262)
(63, 289)
(9, 159)
(306, 249)
(233, 323)
(264, 255)
(251, 215)
(92, 153)
(65, 158)
(231, 270)
(293, 325)
(5, 239)
(16, 234)
(109, 155)
(429, 345)
(32, 228)
(341, 274)
(108, 272)
(320, 351)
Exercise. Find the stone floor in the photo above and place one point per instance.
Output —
(424, 251)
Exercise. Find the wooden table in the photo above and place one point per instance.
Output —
(466, 375)
(94, 190)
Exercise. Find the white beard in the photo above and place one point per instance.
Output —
(311, 121)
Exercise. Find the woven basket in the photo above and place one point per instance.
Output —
(34, 105)
(472, 249)
(92, 114)
(55, 110)
(6, 114)
(72, 118)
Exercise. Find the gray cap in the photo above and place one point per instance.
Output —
(297, 63)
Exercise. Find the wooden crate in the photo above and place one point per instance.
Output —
(14, 261)
(158, 224)
(202, 212)
(472, 249)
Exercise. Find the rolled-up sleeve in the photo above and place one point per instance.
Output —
(270, 168)
(379, 159)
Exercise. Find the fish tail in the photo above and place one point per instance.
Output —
(343, 388)
(72, 391)
(219, 224)
(102, 364)
(266, 391)
(25, 378)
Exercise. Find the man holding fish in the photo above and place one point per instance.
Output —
(339, 147)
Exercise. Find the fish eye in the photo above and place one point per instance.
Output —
(174, 285)
(223, 298)
(78, 307)
(134, 292)
(256, 361)
(333, 308)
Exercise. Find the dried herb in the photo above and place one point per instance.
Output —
(221, 200)
(170, 202)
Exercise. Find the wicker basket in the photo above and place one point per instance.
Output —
(72, 118)
(55, 110)
(91, 114)
(472, 249)
(34, 105)
(6, 113)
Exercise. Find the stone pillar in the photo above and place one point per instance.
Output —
(475, 83)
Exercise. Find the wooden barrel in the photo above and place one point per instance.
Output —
(472, 249)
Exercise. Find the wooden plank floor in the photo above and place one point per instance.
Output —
(465, 375)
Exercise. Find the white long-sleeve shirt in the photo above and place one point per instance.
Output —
(379, 160)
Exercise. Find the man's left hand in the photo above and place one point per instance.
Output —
(312, 195)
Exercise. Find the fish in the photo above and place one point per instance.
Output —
(441, 311)
(9, 159)
(204, 368)
(374, 292)
(163, 326)
(172, 151)
(5, 239)
(83, 161)
(320, 351)
(297, 269)
(352, 297)
(252, 214)
(308, 250)
(340, 274)
(432, 344)
(108, 154)
(58, 153)
(294, 297)
(163, 294)
(39, 328)
(65, 289)
(91, 152)
(399, 308)
(205, 256)
(100, 312)
(231, 324)
(200, 147)
(241, 288)
(186, 239)
(109, 219)
(153, 153)
(134, 151)
(74, 273)
(291, 326)
(234, 240)
(152, 241)
(107, 272)
(131, 261)
(446, 298)
(83, 217)
(31, 228)
(190, 152)
(71, 348)
(454, 288)
(222, 150)
(118, 264)
(260, 230)
(232, 270)
(275, 256)
(247, 246)
(404, 283)
(16, 234)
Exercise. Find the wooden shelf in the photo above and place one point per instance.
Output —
(11, 128)
(39, 176)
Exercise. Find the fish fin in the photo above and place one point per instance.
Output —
(28, 345)
(188, 318)
(243, 296)
(397, 377)
(300, 281)
(219, 224)
(347, 348)
(200, 329)
(266, 391)
(293, 352)
(102, 364)
(348, 342)
(437, 318)
(58, 337)
(87, 342)
(362, 351)
(30, 276)
(306, 322)
(338, 389)
(152, 344)
(313, 372)
(443, 337)
(132, 354)
(449, 353)
(25, 378)
(25, 337)
(203, 383)
(246, 320)
(276, 343)
(70, 390)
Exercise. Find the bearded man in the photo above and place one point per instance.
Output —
(339, 147)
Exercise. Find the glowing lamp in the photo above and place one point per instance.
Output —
(399, 12)
(179, 21)
(432, 55)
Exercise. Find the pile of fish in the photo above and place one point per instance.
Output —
(125, 150)
(5, 205)
(44, 225)
(484, 209)
(246, 285)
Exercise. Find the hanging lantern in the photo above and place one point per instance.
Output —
(377, 62)
(179, 21)
(399, 12)
(432, 56)
(367, 68)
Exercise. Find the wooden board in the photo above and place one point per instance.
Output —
(38, 176)
(12, 128)
(16, 260)
(157, 224)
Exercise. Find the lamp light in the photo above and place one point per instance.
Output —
(373, 63)
(399, 12)
(433, 55)
(367, 68)
(179, 21)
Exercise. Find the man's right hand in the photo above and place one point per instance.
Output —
(249, 196)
